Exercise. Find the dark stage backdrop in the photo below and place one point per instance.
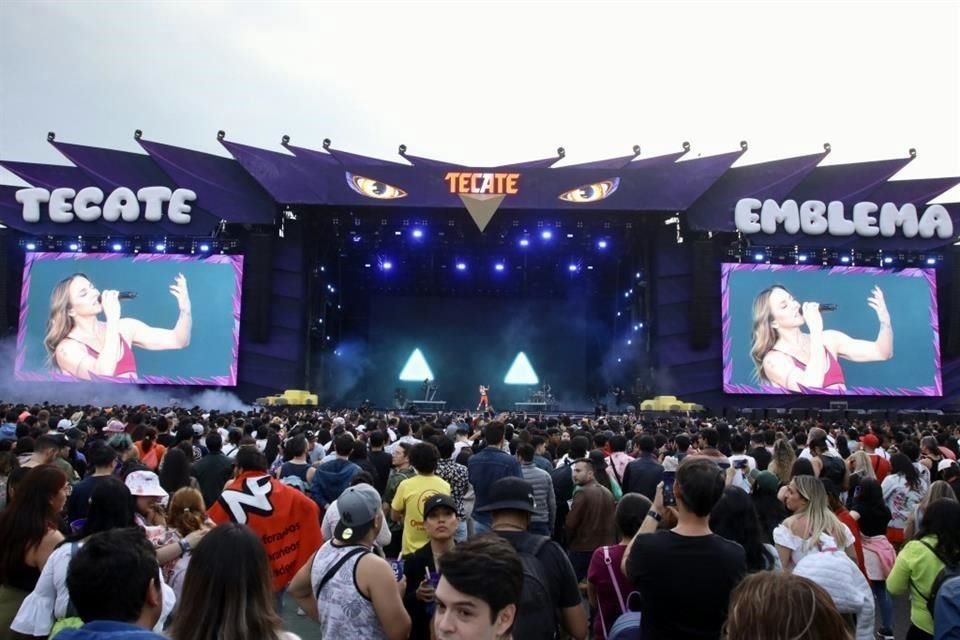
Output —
(469, 341)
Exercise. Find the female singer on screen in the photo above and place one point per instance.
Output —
(791, 359)
(81, 345)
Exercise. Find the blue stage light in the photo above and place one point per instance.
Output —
(572, 268)
(204, 247)
(74, 246)
(546, 234)
(845, 259)
(117, 246)
(802, 257)
(759, 257)
(417, 233)
(931, 261)
(160, 247)
(602, 244)
(461, 266)
(499, 266)
(357, 238)
(386, 265)
(629, 341)
(524, 242)
(888, 260)
(31, 246)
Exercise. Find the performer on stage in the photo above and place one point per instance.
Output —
(791, 359)
(81, 345)
(484, 399)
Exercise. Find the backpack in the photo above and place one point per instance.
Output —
(627, 624)
(536, 613)
(949, 572)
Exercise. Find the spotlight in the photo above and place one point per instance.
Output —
(397, 233)
(546, 234)
(602, 244)
(357, 238)
(387, 265)
(160, 247)
(931, 261)
(629, 341)
(758, 257)
(845, 259)
(204, 247)
(366, 265)
(31, 246)
(74, 246)
(117, 246)
(499, 266)
(589, 267)
(641, 325)
(636, 327)
(461, 266)
(619, 359)
(524, 242)
(569, 235)
(572, 268)
(417, 233)
(802, 257)
(888, 260)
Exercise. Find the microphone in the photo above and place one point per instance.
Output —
(122, 295)
(822, 307)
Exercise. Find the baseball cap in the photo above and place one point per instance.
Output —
(945, 464)
(145, 483)
(510, 493)
(439, 500)
(358, 506)
(64, 424)
(23, 416)
(870, 440)
(765, 480)
(198, 429)
(114, 426)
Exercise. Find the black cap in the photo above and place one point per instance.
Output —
(510, 493)
(439, 500)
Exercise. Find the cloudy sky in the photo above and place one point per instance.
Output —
(488, 82)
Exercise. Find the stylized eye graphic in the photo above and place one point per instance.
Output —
(591, 192)
(374, 188)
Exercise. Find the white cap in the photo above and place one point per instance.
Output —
(145, 483)
(198, 429)
(946, 463)
(64, 424)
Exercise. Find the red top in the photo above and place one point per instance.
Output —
(126, 365)
(834, 375)
(844, 516)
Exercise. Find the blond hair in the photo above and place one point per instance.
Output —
(819, 518)
(186, 512)
(860, 463)
(59, 322)
(783, 458)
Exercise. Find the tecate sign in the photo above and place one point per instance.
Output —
(867, 219)
(123, 204)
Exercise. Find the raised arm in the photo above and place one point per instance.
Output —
(867, 350)
(156, 339)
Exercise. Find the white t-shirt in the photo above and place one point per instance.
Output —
(738, 479)
(784, 537)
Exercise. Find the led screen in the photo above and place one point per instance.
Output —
(151, 319)
(879, 333)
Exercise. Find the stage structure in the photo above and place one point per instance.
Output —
(554, 285)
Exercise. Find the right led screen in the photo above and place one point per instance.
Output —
(830, 330)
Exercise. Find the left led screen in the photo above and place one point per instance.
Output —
(182, 327)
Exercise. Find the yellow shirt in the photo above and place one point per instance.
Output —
(916, 569)
(411, 495)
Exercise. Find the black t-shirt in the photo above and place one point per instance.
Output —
(762, 456)
(79, 501)
(684, 583)
(556, 565)
(382, 462)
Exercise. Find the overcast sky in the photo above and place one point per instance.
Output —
(488, 82)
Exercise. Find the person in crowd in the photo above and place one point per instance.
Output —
(213, 470)
(781, 606)
(186, 514)
(758, 450)
(352, 593)
(845, 517)
(479, 592)
(603, 474)
(735, 518)
(421, 568)
(456, 475)
(827, 465)
(405, 435)
(332, 477)
(936, 545)
(486, 467)
(332, 516)
(45, 451)
(359, 457)
(114, 585)
(618, 458)
(879, 459)
(770, 508)
(381, 460)
(175, 472)
(563, 485)
(80, 345)
(102, 459)
(234, 436)
(226, 590)
(608, 590)
(29, 532)
(545, 500)
(510, 508)
(950, 472)
(910, 448)
(287, 521)
(407, 504)
(402, 470)
(859, 468)
(296, 465)
(873, 516)
(782, 460)
(8, 465)
(591, 521)
(902, 491)
(739, 460)
(642, 475)
(930, 456)
(937, 490)
(812, 527)
(711, 565)
(110, 508)
(150, 451)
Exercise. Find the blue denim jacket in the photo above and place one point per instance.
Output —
(946, 625)
(485, 467)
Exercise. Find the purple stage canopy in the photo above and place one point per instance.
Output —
(255, 184)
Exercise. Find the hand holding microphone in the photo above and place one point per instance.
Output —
(811, 315)
(110, 302)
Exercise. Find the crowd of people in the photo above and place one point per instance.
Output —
(139, 522)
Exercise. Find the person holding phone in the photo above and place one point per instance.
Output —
(440, 520)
